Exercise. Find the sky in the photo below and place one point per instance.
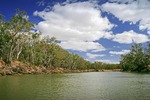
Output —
(98, 30)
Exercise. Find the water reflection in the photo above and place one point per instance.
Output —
(76, 86)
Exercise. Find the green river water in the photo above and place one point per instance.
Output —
(76, 86)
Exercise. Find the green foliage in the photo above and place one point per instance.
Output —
(18, 43)
(13, 35)
(100, 66)
(137, 60)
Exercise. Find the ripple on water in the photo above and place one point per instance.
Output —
(76, 86)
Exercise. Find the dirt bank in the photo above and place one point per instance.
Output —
(24, 68)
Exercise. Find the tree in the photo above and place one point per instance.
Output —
(17, 42)
(12, 32)
(5, 38)
(147, 54)
(135, 60)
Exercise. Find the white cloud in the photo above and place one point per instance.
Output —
(82, 46)
(90, 55)
(108, 61)
(116, 47)
(26, 17)
(134, 11)
(149, 32)
(41, 3)
(122, 1)
(108, 35)
(119, 52)
(130, 37)
(70, 1)
(80, 21)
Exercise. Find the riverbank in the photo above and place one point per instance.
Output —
(19, 68)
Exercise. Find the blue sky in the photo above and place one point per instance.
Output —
(98, 30)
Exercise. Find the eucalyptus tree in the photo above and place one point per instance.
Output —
(17, 42)
(4, 38)
(147, 54)
(135, 60)
(17, 28)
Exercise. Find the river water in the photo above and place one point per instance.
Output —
(76, 86)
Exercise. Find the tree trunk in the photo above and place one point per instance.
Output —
(18, 54)
(9, 59)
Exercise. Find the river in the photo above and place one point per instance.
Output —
(76, 86)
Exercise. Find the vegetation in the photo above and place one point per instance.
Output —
(137, 60)
(18, 43)
(100, 66)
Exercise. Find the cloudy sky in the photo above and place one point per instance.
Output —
(98, 30)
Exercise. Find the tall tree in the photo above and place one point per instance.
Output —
(17, 26)
(135, 60)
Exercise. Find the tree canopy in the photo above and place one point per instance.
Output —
(138, 59)
(18, 43)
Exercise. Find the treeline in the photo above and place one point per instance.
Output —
(138, 59)
(18, 43)
(100, 66)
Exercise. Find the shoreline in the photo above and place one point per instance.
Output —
(37, 70)
(19, 68)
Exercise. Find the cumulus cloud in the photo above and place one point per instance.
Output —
(119, 52)
(82, 46)
(122, 1)
(130, 37)
(131, 11)
(90, 55)
(108, 61)
(75, 24)
(26, 17)
(41, 3)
